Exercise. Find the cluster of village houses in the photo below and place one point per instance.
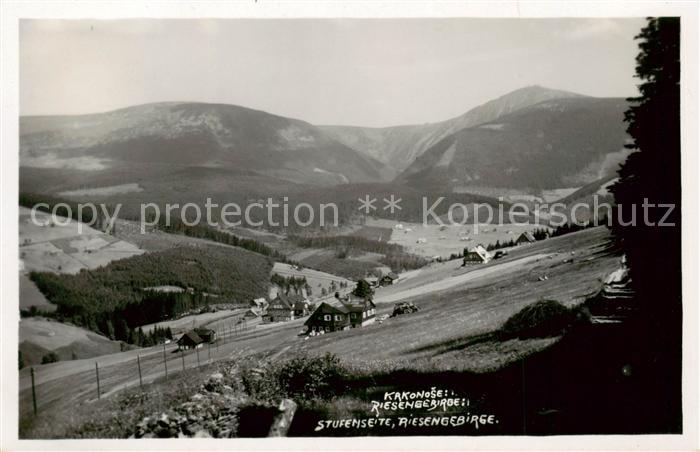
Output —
(339, 313)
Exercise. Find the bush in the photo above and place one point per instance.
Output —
(303, 378)
(49, 358)
(546, 318)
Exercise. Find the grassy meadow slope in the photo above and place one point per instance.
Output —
(444, 332)
(40, 336)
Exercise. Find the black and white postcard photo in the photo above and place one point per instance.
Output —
(362, 225)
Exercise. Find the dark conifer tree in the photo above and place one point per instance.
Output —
(651, 175)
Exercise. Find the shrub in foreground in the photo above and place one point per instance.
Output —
(545, 318)
(49, 358)
(302, 378)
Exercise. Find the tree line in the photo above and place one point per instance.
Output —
(289, 283)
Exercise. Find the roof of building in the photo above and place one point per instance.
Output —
(190, 336)
(359, 307)
(299, 305)
(296, 298)
(288, 301)
(252, 312)
(345, 306)
(201, 331)
(481, 251)
(353, 303)
(258, 302)
(283, 300)
(527, 235)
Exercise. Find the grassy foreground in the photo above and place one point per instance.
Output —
(590, 380)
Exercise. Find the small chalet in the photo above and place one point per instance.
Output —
(286, 307)
(301, 308)
(388, 279)
(280, 310)
(525, 237)
(189, 340)
(206, 334)
(252, 313)
(476, 255)
(259, 303)
(341, 314)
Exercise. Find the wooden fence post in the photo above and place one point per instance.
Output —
(33, 392)
(97, 375)
(138, 362)
(182, 355)
(196, 349)
(165, 362)
(283, 420)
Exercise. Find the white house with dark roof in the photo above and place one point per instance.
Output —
(476, 255)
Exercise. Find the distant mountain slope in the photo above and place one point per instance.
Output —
(193, 134)
(553, 144)
(399, 146)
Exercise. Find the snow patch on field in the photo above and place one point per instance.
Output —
(49, 335)
(296, 136)
(492, 126)
(66, 246)
(52, 161)
(104, 191)
(448, 156)
(339, 175)
(558, 193)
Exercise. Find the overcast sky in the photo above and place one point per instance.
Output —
(341, 71)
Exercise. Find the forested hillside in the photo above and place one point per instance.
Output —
(112, 299)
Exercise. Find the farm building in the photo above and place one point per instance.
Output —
(259, 303)
(301, 308)
(388, 279)
(189, 340)
(206, 334)
(341, 314)
(252, 313)
(285, 308)
(476, 255)
(525, 237)
(280, 310)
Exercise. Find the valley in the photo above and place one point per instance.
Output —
(121, 300)
(456, 305)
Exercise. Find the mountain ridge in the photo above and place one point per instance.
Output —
(155, 139)
(552, 144)
(203, 134)
(399, 146)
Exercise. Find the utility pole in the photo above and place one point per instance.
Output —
(97, 374)
(33, 391)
